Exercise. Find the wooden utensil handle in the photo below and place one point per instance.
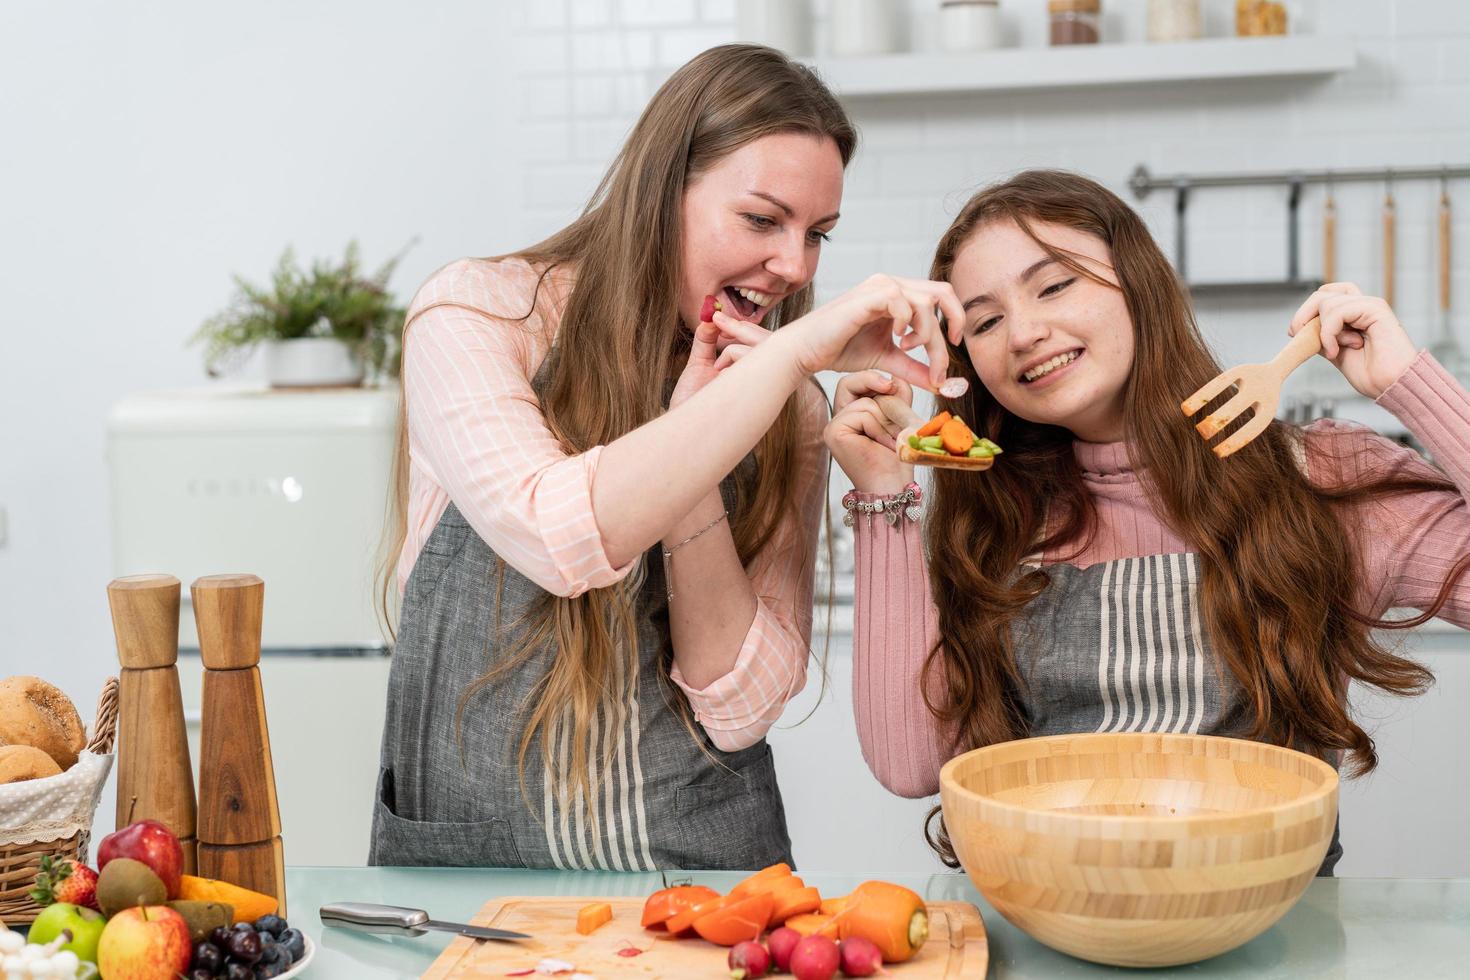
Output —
(1306, 342)
(1388, 249)
(228, 610)
(154, 778)
(145, 620)
(237, 779)
(898, 410)
(1329, 241)
(1444, 252)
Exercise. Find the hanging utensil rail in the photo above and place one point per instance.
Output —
(1143, 183)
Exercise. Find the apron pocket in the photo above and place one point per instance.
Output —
(400, 842)
(730, 820)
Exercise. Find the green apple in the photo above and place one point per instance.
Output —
(86, 928)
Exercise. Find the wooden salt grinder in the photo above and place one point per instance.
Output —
(239, 821)
(154, 778)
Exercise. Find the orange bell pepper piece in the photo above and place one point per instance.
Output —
(762, 880)
(592, 916)
(957, 437)
(684, 921)
(737, 921)
(666, 903)
(932, 427)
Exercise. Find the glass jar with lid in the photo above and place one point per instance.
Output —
(969, 25)
(1075, 21)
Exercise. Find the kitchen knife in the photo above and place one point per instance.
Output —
(394, 920)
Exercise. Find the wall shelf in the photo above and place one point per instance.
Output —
(1019, 69)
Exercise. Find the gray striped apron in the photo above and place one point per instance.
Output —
(1118, 647)
(668, 799)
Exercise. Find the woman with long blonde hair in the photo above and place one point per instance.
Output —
(1109, 573)
(609, 510)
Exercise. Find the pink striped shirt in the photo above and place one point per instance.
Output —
(1410, 543)
(476, 436)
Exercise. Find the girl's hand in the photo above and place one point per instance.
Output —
(1361, 336)
(870, 327)
(861, 437)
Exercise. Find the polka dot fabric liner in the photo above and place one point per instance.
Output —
(54, 807)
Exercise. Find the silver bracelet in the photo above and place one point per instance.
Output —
(669, 552)
(906, 503)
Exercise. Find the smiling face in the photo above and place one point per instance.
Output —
(755, 222)
(1051, 346)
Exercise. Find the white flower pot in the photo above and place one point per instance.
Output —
(309, 362)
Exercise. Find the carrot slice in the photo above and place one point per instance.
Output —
(831, 906)
(933, 426)
(737, 922)
(814, 924)
(794, 901)
(957, 437)
(592, 916)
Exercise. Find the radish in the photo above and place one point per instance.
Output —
(748, 959)
(860, 958)
(781, 942)
(814, 958)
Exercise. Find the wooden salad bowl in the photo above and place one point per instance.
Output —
(1140, 849)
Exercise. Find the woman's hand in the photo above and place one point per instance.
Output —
(711, 351)
(1361, 336)
(861, 437)
(869, 327)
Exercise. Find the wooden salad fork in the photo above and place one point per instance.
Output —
(1257, 386)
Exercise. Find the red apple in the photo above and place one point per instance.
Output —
(148, 942)
(150, 842)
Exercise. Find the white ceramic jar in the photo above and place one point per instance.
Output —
(782, 24)
(863, 27)
(969, 25)
(1173, 20)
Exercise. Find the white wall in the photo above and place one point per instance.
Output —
(149, 150)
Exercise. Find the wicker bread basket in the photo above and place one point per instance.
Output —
(65, 830)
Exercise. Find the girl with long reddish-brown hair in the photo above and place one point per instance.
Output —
(606, 510)
(1109, 573)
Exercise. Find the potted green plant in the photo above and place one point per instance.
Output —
(329, 325)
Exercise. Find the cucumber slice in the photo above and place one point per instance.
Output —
(979, 452)
(994, 449)
(931, 442)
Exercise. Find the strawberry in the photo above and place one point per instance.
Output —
(64, 880)
(707, 311)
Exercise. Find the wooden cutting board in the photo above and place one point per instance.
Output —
(956, 948)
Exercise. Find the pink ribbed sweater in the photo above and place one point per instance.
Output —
(1411, 543)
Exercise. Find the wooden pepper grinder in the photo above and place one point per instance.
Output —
(154, 779)
(239, 821)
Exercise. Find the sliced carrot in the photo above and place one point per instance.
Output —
(957, 437)
(738, 921)
(814, 924)
(592, 916)
(831, 906)
(761, 881)
(933, 426)
(794, 901)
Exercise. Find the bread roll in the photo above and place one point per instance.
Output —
(34, 713)
(19, 762)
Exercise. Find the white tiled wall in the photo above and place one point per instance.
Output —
(587, 67)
